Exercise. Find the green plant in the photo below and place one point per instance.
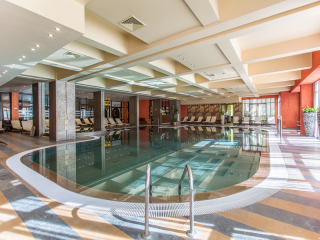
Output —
(175, 112)
(309, 110)
(318, 108)
(222, 113)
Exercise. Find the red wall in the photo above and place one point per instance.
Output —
(290, 105)
(144, 109)
(14, 106)
(184, 111)
(269, 96)
(306, 99)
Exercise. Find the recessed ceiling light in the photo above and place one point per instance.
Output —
(58, 29)
(37, 45)
(24, 56)
(32, 49)
(0, 76)
(20, 59)
(184, 59)
(180, 56)
(50, 35)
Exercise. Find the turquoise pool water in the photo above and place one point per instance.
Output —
(219, 158)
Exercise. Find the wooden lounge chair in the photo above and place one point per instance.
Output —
(236, 120)
(47, 123)
(199, 120)
(26, 126)
(258, 120)
(1, 128)
(79, 123)
(86, 121)
(235, 130)
(185, 119)
(191, 119)
(16, 125)
(208, 129)
(119, 121)
(108, 124)
(213, 120)
(114, 123)
(200, 129)
(207, 120)
(246, 120)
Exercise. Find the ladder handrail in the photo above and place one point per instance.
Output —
(148, 192)
(191, 233)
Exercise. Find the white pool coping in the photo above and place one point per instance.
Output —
(273, 183)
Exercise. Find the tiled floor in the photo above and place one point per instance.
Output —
(292, 213)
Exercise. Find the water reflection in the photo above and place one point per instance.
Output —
(219, 158)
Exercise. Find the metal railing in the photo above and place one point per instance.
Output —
(148, 192)
(191, 233)
(279, 128)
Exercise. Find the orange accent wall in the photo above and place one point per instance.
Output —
(144, 109)
(309, 76)
(268, 96)
(14, 106)
(306, 99)
(290, 105)
(184, 111)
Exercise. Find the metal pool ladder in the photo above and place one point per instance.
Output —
(148, 192)
(191, 233)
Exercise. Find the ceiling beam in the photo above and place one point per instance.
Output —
(282, 49)
(231, 50)
(292, 63)
(206, 11)
(274, 90)
(275, 84)
(230, 83)
(277, 77)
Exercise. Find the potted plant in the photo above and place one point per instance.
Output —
(222, 117)
(175, 112)
(309, 120)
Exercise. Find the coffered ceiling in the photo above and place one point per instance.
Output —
(196, 51)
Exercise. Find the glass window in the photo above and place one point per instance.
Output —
(5, 99)
(25, 106)
(259, 107)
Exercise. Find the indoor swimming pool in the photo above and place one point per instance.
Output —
(114, 166)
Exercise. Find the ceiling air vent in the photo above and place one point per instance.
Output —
(71, 54)
(132, 23)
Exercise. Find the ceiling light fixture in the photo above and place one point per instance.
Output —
(20, 59)
(32, 49)
(180, 56)
(184, 59)
(58, 29)
(37, 45)
(23, 56)
(50, 35)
